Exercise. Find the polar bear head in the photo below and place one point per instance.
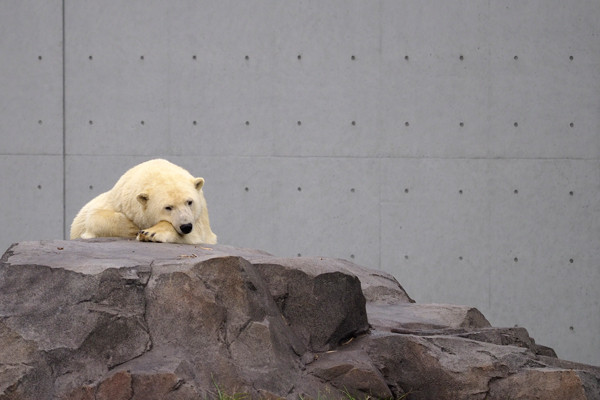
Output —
(179, 202)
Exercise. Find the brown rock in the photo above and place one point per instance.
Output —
(540, 384)
(116, 387)
(155, 386)
(82, 393)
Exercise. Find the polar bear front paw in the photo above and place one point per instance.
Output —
(163, 232)
(147, 236)
(157, 237)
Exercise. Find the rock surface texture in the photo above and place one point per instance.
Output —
(123, 320)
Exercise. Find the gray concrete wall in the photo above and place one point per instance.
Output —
(455, 144)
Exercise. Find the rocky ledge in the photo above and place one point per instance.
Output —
(122, 320)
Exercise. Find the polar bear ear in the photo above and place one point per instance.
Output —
(198, 183)
(143, 198)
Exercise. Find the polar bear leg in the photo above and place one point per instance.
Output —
(108, 223)
(161, 232)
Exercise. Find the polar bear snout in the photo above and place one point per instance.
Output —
(186, 228)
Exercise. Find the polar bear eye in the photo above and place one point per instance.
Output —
(189, 202)
(168, 208)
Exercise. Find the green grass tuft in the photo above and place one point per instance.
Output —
(222, 395)
(369, 397)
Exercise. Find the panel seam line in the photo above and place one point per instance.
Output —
(64, 126)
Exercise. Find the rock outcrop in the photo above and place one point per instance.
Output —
(123, 320)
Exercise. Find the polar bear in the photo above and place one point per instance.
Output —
(155, 201)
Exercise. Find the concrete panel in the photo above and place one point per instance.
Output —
(333, 87)
(457, 77)
(435, 228)
(544, 78)
(434, 85)
(116, 78)
(205, 84)
(31, 194)
(31, 77)
(512, 237)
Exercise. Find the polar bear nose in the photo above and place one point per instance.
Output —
(185, 228)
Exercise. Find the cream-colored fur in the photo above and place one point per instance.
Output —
(155, 201)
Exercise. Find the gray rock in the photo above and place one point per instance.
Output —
(351, 370)
(449, 367)
(405, 318)
(119, 319)
(332, 294)
(547, 383)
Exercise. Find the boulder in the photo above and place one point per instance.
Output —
(119, 319)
